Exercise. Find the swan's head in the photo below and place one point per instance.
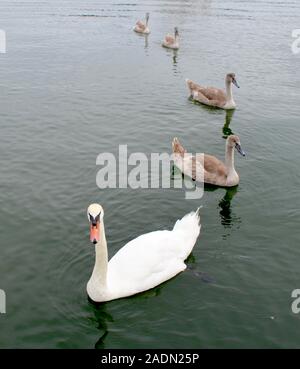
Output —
(176, 31)
(234, 141)
(95, 215)
(230, 78)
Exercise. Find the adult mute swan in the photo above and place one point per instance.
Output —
(141, 27)
(214, 96)
(142, 263)
(214, 171)
(171, 42)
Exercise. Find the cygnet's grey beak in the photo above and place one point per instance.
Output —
(235, 83)
(239, 149)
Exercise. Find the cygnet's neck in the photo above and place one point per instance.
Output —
(229, 161)
(229, 91)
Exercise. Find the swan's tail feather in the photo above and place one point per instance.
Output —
(190, 227)
(190, 84)
(190, 222)
(197, 214)
(177, 147)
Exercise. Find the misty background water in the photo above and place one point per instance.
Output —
(75, 82)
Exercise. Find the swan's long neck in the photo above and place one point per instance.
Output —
(100, 269)
(229, 161)
(229, 91)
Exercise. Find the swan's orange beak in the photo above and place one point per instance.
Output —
(95, 232)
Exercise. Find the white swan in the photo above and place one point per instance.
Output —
(142, 263)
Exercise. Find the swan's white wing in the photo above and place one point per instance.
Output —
(152, 258)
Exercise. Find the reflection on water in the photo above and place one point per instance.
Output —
(227, 216)
(226, 129)
(146, 41)
(175, 61)
(102, 317)
(175, 57)
(173, 54)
